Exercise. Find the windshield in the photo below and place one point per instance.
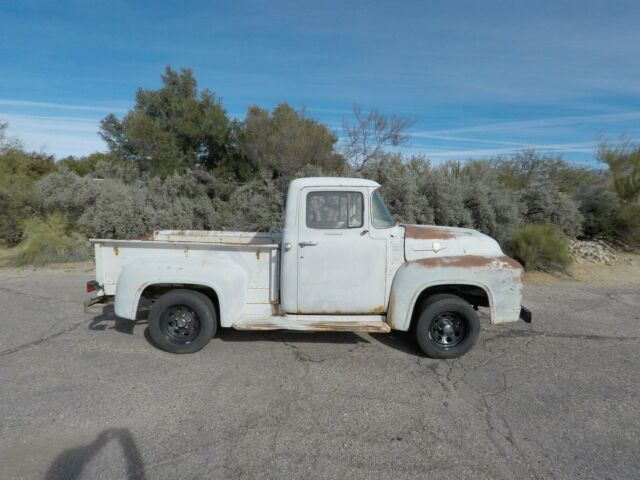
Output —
(380, 215)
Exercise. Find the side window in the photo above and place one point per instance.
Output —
(330, 210)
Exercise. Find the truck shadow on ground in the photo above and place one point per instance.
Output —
(232, 335)
(109, 321)
(69, 465)
(401, 341)
(404, 342)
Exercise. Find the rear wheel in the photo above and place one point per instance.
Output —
(182, 321)
(448, 326)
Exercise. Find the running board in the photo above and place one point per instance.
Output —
(315, 323)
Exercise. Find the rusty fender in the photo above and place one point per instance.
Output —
(499, 276)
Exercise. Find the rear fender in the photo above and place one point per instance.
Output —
(226, 278)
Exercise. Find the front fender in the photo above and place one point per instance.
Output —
(226, 278)
(500, 277)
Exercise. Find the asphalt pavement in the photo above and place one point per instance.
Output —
(91, 398)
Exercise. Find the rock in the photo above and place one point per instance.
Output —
(592, 251)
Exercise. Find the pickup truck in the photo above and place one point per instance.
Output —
(342, 263)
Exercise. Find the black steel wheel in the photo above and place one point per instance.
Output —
(448, 326)
(180, 324)
(182, 321)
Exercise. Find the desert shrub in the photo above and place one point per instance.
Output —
(627, 225)
(545, 203)
(540, 247)
(119, 211)
(399, 189)
(446, 197)
(48, 240)
(68, 192)
(10, 230)
(19, 171)
(117, 169)
(181, 202)
(599, 207)
(256, 205)
(494, 209)
(82, 165)
(470, 195)
(529, 167)
(623, 161)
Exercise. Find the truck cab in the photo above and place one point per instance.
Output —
(342, 263)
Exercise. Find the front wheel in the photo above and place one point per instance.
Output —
(182, 321)
(447, 327)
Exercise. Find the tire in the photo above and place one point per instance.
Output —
(182, 321)
(448, 326)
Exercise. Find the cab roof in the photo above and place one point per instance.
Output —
(299, 183)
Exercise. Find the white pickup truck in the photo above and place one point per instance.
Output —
(342, 264)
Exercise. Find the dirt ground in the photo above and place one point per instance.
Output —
(89, 397)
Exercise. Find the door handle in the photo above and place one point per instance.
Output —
(307, 244)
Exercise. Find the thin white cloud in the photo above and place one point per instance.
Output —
(467, 139)
(455, 153)
(541, 123)
(61, 136)
(60, 106)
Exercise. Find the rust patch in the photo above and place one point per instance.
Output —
(116, 250)
(467, 261)
(425, 232)
(377, 309)
(513, 263)
(318, 327)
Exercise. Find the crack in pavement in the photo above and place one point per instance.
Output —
(537, 333)
(32, 295)
(42, 340)
(303, 357)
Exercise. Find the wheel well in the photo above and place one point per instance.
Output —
(152, 292)
(472, 294)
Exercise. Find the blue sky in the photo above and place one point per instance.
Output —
(479, 78)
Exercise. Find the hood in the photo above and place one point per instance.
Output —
(424, 241)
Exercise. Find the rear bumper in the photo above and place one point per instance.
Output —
(525, 314)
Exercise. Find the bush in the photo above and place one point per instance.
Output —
(399, 188)
(10, 231)
(627, 225)
(545, 203)
(599, 207)
(67, 192)
(46, 240)
(540, 247)
(119, 211)
(256, 205)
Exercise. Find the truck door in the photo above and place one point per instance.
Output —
(341, 267)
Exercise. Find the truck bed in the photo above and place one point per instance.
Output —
(255, 252)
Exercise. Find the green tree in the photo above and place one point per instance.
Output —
(281, 142)
(173, 128)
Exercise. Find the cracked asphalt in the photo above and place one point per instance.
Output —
(90, 398)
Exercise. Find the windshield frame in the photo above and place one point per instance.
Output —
(395, 220)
